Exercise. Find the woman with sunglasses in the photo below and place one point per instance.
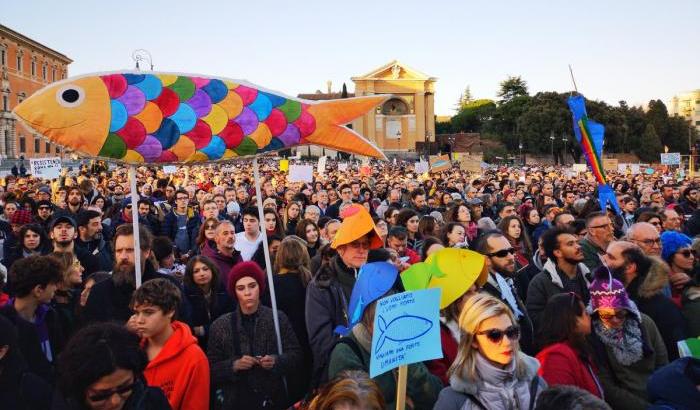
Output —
(566, 357)
(102, 368)
(627, 345)
(676, 250)
(207, 233)
(490, 372)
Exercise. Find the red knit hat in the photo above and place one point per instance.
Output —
(241, 270)
(21, 217)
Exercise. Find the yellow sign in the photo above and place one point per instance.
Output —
(284, 165)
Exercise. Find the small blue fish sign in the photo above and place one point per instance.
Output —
(406, 330)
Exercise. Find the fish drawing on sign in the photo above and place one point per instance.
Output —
(136, 118)
(402, 329)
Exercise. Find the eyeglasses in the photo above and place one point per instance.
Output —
(360, 245)
(687, 253)
(210, 226)
(606, 226)
(619, 315)
(650, 242)
(346, 192)
(496, 335)
(502, 253)
(121, 391)
(44, 207)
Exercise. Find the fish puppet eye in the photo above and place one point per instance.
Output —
(70, 96)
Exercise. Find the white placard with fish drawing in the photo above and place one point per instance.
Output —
(406, 330)
(45, 168)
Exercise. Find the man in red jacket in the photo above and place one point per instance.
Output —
(176, 363)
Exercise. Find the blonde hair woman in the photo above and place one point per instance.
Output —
(490, 372)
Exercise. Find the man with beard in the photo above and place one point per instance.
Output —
(500, 261)
(600, 234)
(563, 272)
(44, 212)
(224, 255)
(109, 299)
(62, 232)
(91, 241)
(418, 201)
(74, 203)
(645, 278)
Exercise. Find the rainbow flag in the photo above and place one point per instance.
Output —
(590, 135)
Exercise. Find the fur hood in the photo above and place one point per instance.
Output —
(655, 280)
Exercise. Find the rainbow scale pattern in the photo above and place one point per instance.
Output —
(174, 118)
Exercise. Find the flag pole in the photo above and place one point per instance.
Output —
(573, 80)
(266, 249)
(135, 224)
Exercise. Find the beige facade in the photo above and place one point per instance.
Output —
(687, 105)
(408, 117)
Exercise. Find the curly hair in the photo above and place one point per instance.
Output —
(32, 271)
(96, 351)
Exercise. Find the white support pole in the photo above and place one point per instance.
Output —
(266, 249)
(135, 224)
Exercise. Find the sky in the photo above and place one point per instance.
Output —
(619, 50)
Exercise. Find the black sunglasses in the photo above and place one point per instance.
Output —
(102, 396)
(496, 335)
(502, 253)
(686, 253)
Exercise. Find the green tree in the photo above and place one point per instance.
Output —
(473, 116)
(649, 145)
(504, 122)
(512, 87)
(464, 99)
(657, 115)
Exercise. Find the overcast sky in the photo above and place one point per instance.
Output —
(631, 50)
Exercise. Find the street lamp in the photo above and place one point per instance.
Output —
(398, 135)
(451, 138)
(520, 147)
(427, 140)
(551, 137)
(563, 138)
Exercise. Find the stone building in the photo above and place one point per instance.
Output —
(25, 67)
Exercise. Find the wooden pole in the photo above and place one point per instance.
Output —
(401, 388)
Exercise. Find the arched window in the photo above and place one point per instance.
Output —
(395, 106)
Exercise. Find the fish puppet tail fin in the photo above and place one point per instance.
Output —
(607, 195)
(331, 117)
(382, 334)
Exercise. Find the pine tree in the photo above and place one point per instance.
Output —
(649, 145)
(464, 99)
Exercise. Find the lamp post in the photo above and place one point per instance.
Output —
(563, 157)
(451, 138)
(398, 135)
(427, 140)
(551, 137)
(520, 147)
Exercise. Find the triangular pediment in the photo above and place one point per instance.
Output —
(394, 70)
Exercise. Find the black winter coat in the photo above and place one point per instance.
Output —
(203, 313)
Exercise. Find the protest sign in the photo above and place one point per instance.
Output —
(579, 167)
(342, 167)
(671, 158)
(46, 168)
(421, 167)
(169, 169)
(470, 165)
(635, 169)
(610, 164)
(321, 168)
(301, 173)
(406, 330)
(284, 165)
(440, 163)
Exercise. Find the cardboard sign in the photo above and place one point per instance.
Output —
(406, 330)
(610, 164)
(169, 169)
(440, 163)
(579, 167)
(301, 173)
(321, 167)
(470, 165)
(45, 168)
(284, 165)
(671, 158)
(421, 167)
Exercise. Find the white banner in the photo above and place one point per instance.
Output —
(169, 169)
(301, 173)
(321, 168)
(45, 168)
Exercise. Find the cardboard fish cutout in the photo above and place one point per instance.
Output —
(149, 117)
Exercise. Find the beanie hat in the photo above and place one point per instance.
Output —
(671, 242)
(241, 270)
(357, 222)
(21, 217)
(607, 292)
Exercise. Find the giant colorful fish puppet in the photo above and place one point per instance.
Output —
(590, 135)
(138, 117)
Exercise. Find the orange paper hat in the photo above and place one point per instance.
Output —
(357, 223)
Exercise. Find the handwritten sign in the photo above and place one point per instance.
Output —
(169, 169)
(47, 168)
(579, 168)
(301, 173)
(672, 158)
(406, 330)
(321, 168)
(422, 167)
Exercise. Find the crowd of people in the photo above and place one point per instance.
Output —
(577, 308)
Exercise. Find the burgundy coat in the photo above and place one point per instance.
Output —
(560, 364)
(439, 367)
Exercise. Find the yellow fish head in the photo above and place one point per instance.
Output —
(74, 113)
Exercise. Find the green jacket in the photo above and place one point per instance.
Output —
(421, 387)
(625, 387)
(591, 254)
